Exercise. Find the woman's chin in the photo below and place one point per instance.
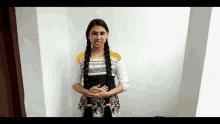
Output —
(98, 45)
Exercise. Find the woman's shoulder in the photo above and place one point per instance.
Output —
(80, 56)
(115, 54)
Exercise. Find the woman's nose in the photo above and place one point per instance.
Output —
(99, 36)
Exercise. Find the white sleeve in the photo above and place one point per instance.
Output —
(76, 76)
(122, 74)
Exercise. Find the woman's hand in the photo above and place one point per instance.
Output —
(92, 89)
(91, 94)
(96, 89)
(102, 93)
(97, 93)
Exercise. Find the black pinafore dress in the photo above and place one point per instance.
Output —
(99, 103)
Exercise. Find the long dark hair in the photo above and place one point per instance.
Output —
(97, 22)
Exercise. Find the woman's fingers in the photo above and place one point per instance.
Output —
(105, 88)
(96, 88)
(96, 91)
(92, 95)
(92, 88)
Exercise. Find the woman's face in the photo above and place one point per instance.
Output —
(98, 36)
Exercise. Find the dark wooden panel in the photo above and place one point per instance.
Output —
(11, 84)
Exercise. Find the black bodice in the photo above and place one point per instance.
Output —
(99, 79)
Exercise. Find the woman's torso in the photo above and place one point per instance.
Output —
(98, 79)
(97, 74)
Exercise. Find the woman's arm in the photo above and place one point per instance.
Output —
(117, 90)
(80, 89)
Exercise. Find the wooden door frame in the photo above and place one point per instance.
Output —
(11, 83)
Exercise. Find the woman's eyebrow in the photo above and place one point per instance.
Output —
(99, 31)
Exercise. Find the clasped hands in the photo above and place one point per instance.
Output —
(96, 92)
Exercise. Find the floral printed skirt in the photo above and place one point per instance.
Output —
(98, 105)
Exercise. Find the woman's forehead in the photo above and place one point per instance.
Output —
(98, 29)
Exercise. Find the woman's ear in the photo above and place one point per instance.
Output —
(88, 36)
(107, 34)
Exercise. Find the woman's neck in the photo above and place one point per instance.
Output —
(97, 50)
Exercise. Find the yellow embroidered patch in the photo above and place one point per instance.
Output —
(112, 54)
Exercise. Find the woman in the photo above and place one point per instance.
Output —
(99, 93)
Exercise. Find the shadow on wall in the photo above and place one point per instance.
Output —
(63, 86)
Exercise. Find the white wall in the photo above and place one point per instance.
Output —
(31, 66)
(54, 43)
(193, 61)
(151, 40)
(208, 103)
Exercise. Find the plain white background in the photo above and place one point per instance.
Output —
(151, 40)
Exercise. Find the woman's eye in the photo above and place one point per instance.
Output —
(100, 33)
